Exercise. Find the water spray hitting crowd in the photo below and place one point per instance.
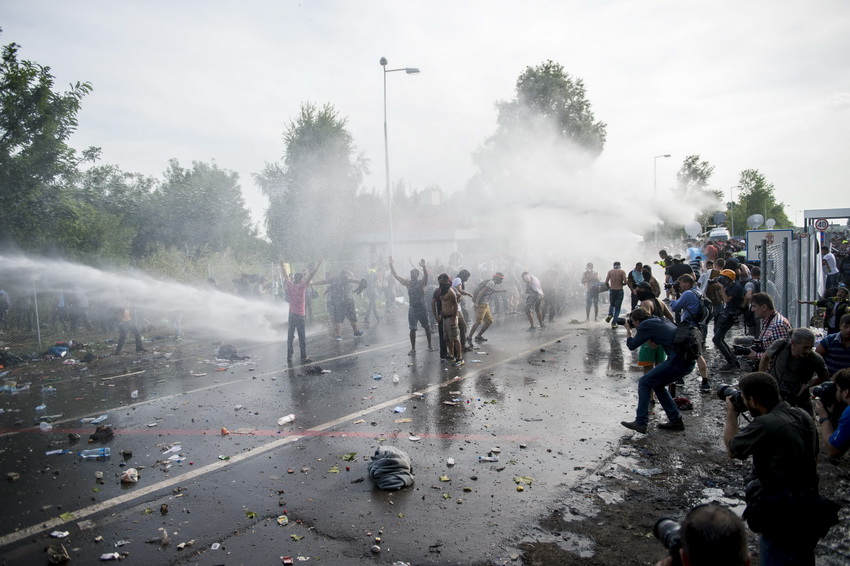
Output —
(543, 245)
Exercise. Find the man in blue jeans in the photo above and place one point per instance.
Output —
(660, 331)
(616, 281)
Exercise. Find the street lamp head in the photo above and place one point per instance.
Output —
(667, 155)
(383, 61)
(411, 70)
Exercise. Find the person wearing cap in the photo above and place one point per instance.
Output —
(481, 303)
(732, 295)
(616, 281)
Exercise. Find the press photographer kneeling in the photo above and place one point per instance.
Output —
(833, 405)
(783, 503)
(709, 535)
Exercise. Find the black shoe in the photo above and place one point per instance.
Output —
(672, 425)
(359, 333)
(705, 387)
(480, 339)
(634, 426)
(680, 381)
(306, 360)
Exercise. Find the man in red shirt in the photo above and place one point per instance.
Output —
(296, 290)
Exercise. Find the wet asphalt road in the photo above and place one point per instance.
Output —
(550, 400)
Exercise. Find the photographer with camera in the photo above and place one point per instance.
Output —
(774, 326)
(783, 503)
(835, 438)
(660, 331)
(709, 535)
(690, 310)
(796, 367)
(732, 294)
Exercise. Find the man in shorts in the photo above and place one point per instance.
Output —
(589, 279)
(416, 313)
(533, 300)
(482, 307)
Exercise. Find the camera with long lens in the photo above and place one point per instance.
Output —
(624, 322)
(826, 393)
(725, 391)
(669, 532)
(740, 350)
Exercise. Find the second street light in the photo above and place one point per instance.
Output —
(655, 191)
(409, 71)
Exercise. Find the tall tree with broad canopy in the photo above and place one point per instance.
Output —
(35, 124)
(200, 210)
(546, 133)
(312, 193)
(755, 196)
(692, 187)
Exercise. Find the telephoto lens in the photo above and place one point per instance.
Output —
(669, 532)
(826, 393)
(726, 390)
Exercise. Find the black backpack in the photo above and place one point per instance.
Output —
(706, 309)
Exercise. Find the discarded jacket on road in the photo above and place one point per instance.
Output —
(391, 468)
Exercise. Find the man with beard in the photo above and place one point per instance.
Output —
(416, 313)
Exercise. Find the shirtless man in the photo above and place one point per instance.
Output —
(449, 301)
(616, 282)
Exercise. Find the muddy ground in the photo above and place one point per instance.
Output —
(608, 518)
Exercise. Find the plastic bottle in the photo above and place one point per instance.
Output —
(96, 453)
(285, 420)
(488, 458)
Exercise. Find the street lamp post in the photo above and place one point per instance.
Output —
(655, 185)
(732, 211)
(409, 71)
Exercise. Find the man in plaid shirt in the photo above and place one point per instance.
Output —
(774, 326)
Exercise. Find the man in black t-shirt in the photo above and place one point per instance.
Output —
(416, 313)
(732, 294)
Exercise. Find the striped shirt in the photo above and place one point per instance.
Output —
(836, 355)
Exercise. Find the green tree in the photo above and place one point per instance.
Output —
(35, 124)
(200, 210)
(692, 187)
(312, 193)
(755, 196)
(544, 134)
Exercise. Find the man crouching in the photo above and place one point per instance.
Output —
(659, 331)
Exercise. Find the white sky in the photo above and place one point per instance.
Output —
(746, 85)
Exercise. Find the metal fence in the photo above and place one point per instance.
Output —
(791, 272)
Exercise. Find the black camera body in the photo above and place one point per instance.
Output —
(740, 350)
(826, 393)
(669, 532)
(624, 322)
(726, 390)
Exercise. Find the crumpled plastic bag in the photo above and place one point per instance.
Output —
(391, 468)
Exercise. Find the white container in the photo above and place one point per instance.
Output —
(45, 426)
(285, 420)
(134, 394)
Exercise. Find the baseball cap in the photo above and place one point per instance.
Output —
(728, 273)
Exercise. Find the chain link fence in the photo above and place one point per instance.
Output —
(790, 273)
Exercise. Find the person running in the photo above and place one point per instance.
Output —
(534, 300)
(296, 290)
(481, 302)
(416, 312)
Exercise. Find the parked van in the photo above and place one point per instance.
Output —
(718, 234)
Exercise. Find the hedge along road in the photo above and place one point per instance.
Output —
(549, 400)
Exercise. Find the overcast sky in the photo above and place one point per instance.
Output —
(746, 85)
